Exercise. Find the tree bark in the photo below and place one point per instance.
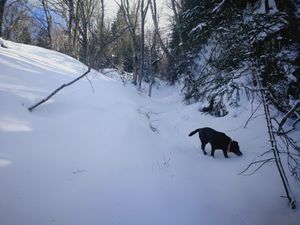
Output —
(131, 21)
(2, 5)
(143, 18)
(267, 6)
(86, 10)
(101, 33)
(49, 21)
(273, 143)
(71, 19)
(177, 21)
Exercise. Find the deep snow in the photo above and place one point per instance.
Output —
(117, 157)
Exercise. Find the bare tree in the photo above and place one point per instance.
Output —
(42, 13)
(156, 38)
(72, 21)
(175, 5)
(86, 10)
(69, 11)
(155, 20)
(47, 12)
(131, 17)
(274, 145)
(101, 33)
(17, 23)
(154, 59)
(2, 5)
(143, 11)
(98, 33)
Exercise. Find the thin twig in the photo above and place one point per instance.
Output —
(252, 114)
(263, 162)
(91, 84)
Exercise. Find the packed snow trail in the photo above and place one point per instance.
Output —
(87, 158)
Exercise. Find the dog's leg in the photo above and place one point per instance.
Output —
(225, 153)
(212, 152)
(203, 147)
(213, 149)
(203, 142)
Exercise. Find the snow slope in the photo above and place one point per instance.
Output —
(117, 157)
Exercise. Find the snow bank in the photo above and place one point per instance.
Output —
(114, 156)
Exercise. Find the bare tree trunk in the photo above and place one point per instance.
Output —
(152, 72)
(2, 5)
(101, 38)
(156, 35)
(83, 31)
(131, 21)
(143, 18)
(153, 7)
(273, 142)
(86, 11)
(134, 61)
(71, 19)
(75, 43)
(84, 44)
(177, 21)
(267, 6)
(47, 12)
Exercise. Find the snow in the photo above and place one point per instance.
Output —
(90, 158)
(217, 8)
(262, 8)
(198, 28)
(1, 42)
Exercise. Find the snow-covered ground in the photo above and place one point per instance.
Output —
(116, 157)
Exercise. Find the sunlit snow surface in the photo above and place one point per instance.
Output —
(116, 157)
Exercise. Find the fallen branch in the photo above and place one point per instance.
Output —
(58, 89)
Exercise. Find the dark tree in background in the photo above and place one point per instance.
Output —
(2, 5)
(225, 40)
(121, 50)
(15, 21)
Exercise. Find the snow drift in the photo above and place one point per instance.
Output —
(115, 156)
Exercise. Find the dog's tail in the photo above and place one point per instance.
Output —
(194, 132)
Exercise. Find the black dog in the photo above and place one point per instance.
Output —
(217, 140)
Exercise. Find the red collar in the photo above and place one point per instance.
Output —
(229, 146)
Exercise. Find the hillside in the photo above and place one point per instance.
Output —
(116, 157)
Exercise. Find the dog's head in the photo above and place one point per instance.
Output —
(235, 148)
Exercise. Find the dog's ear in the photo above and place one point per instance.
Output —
(235, 142)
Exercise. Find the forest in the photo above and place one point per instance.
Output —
(212, 47)
(223, 53)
